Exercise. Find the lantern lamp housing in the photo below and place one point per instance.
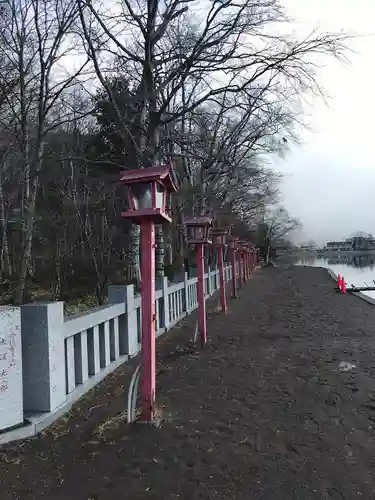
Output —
(240, 246)
(197, 230)
(232, 241)
(147, 190)
(219, 236)
(244, 245)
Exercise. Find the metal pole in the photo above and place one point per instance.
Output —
(148, 320)
(201, 296)
(223, 297)
(234, 277)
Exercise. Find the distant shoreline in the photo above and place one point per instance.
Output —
(345, 252)
(337, 252)
(330, 253)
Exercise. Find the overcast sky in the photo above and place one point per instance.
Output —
(330, 178)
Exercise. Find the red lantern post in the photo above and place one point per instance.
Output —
(197, 229)
(147, 199)
(249, 262)
(233, 246)
(239, 258)
(219, 236)
(243, 246)
(246, 267)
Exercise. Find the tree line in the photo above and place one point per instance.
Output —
(88, 89)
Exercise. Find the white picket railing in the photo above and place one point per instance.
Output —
(64, 357)
(96, 340)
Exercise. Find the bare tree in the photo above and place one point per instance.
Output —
(184, 54)
(37, 39)
(277, 224)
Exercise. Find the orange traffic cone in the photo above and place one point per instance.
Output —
(339, 281)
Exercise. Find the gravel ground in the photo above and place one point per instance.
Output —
(263, 413)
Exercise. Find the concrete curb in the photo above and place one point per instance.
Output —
(360, 295)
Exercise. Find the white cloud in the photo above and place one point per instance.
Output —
(331, 177)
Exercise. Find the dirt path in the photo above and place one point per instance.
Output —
(264, 413)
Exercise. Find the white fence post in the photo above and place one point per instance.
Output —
(128, 342)
(186, 293)
(209, 281)
(165, 312)
(43, 356)
(11, 407)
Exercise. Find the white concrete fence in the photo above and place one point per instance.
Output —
(48, 361)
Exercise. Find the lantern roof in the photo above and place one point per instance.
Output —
(198, 221)
(162, 174)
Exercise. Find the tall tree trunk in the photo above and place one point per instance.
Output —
(56, 289)
(132, 257)
(6, 267)
(267, 252)
(27, 247)
(30, 217)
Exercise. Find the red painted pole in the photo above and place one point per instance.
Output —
(234, 274)
(244, 267)
(239, 257)
(223, 297)
(148, 320)
(201, 296)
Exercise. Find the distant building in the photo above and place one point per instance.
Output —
(362, 243)
(309, 247)
(356, 243)
(339, 246)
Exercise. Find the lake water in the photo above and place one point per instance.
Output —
(358, 270)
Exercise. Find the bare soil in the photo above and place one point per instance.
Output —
(263, 413)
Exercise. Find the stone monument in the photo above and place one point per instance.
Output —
(11, 398)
